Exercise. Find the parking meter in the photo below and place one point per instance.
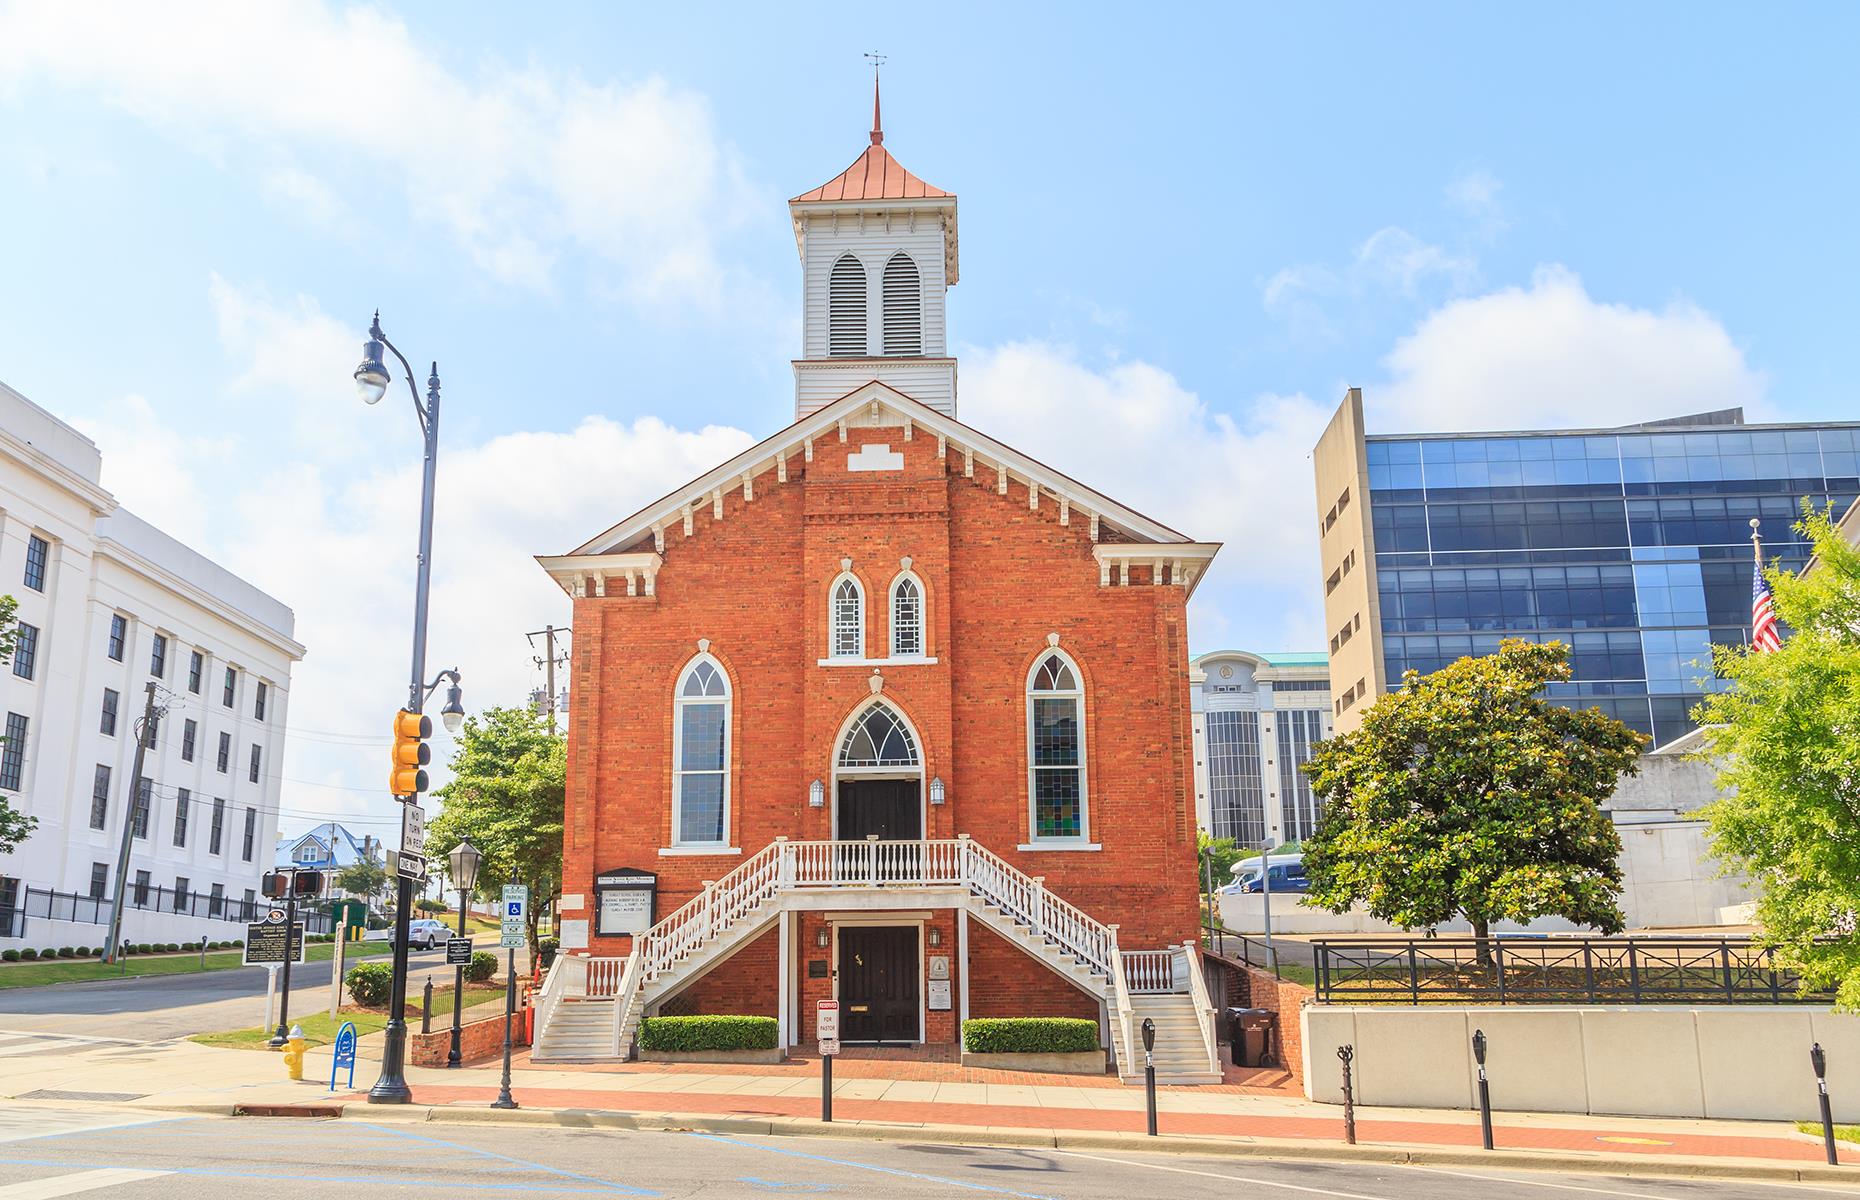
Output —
(1479, 1049)
(1149, 1036)
(1149, 1071)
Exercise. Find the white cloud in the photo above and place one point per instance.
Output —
(1474, 195)
(524, 168)
(155, 469)
(1549, 355)
(305, 197)
(1133, 432)
(1389, 262)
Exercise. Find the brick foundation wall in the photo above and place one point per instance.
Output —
(1005, 982)
(478, 1040)
(748, 985)
(1285, 998)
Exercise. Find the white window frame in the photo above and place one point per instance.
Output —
(1082, 840)
(679, 701)
(833, 617)
(923, 614)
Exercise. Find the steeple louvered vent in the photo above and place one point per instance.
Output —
(904, 306)
(846, 309)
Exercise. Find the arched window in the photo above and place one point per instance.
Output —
(701, 755)
(846, 309)
(907, 617)
(846, 619)
(904, 306)
(1056, 750)
(878, 740)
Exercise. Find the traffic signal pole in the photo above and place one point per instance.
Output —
(391, 1087)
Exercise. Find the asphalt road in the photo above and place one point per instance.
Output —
(157, 1008)
(66, 1152)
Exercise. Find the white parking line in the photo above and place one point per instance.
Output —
(1573, 1187)
(71, 1185)
(1271, 1183)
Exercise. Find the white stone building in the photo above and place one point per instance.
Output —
(108, 604)
(1256, 719)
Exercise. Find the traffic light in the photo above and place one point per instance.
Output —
(307, 883)
(275, 885)
(410, 753)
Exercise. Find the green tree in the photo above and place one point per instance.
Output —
(15, 826)
(1787, 745)
(367, 878)
(1468, 793)
(509, 783)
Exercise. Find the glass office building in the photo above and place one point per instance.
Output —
(1630, 545)
(1256, 718)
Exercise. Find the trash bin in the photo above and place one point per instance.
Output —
(1251, 1031)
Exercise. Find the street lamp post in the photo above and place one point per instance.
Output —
(465, 859)
(372, 380)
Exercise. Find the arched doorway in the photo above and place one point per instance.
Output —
(878, 777)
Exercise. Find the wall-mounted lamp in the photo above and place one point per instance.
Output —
(823, 937)
(936, 936)
(816, 794)
(936, 790)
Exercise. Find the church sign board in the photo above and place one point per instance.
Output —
(626, 901)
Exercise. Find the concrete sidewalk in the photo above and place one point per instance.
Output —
(786, 1098)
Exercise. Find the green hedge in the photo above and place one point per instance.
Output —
(707, 1033)
(1029, 1035)
(483, 966)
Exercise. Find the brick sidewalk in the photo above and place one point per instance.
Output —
(1582, 1135)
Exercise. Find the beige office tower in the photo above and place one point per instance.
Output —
(1352, 611)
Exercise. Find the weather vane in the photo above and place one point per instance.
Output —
(876, 59)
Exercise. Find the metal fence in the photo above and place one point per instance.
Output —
(1554, 970)
(45, 904)
(1254, 952)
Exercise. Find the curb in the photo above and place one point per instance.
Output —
(1394, 1154)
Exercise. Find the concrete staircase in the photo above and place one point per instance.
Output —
(1181, 1054)
(580, 1030)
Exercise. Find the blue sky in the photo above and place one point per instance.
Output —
(1183, 235)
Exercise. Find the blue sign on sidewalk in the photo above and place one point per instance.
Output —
(345, 1054)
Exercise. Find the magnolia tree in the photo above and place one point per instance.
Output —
(1786, 735)
(1468, 794)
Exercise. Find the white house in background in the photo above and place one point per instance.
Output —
(108, 604)
(1255, 718)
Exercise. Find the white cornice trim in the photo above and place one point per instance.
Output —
(584, 575)
(40, 463)
(878, 403)
(108, 547)
(1186, 562)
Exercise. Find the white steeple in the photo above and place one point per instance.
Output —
(878, 254)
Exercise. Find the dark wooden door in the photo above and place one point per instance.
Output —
(878, 983)
(890, 808)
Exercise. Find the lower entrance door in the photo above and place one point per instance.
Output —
(878, 983)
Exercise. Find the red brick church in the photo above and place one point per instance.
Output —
(881, 709)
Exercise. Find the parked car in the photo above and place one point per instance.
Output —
(425, 933)
(1288, 875)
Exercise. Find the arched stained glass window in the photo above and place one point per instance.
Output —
(701, 755)
(1056, 750)
(907, 618)
(879, 738)
(847, 617)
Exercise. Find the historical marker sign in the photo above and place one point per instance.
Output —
(458, 952)
(266, 944)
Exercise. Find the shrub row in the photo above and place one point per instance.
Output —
(1029, 1035)
(30, 955)
(707, 1033)
(370, 983)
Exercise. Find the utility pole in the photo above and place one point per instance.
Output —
(548, 663)
(145, 735)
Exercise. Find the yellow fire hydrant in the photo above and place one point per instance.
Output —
(294, 1053)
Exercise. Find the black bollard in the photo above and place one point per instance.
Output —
(1485, 1091)
(504, 1098)
(1346, 1053)
(1818, 1059)
(826, 1087)
(1149, 1070)
(426, 1009)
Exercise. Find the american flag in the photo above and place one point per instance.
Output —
(1763, 634)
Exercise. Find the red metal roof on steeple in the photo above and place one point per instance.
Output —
(874, 175)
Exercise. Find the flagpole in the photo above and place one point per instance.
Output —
(1756, 540)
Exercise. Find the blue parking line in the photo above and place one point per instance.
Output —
(842, 1162)
(301, 1177)
(44, 1137)
(420, 1137)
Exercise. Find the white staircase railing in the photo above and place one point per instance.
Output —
(1149, 972)
(555, 986)
(784, 865)
(1204, 1003)
(1120, 1015)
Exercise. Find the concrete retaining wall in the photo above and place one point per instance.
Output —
(1744, 1061)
